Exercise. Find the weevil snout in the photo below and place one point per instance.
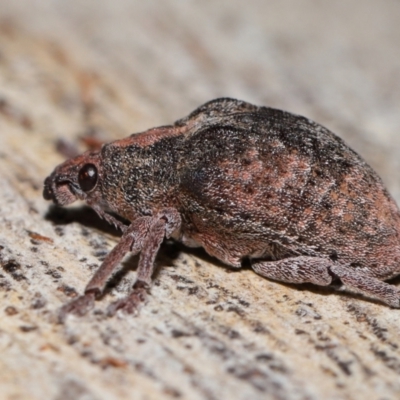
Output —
(74, 179)
(58, 190)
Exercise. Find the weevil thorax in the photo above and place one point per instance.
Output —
(78, 178)
(138, 178)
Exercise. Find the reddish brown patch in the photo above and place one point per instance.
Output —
(151, 136)
(334, 195)
(92, 142)
(347, 217)
(113, 362)
(344, 188)
(49, 346)
(37, 236)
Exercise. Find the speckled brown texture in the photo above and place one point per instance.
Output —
(207, 332)
(243, 182)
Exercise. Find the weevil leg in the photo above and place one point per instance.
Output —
(131, 303)
(163, 225)
(300, 269)
(321, 271)
(361, 282)
(144, 234)
(132, 240)
(107, 217)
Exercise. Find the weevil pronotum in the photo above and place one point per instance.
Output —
(243, 182)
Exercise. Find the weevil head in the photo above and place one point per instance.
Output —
(76, 179)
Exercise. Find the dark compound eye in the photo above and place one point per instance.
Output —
(87, 177)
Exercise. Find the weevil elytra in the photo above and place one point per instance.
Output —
(243, 182)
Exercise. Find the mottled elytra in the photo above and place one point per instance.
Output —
(243, 182)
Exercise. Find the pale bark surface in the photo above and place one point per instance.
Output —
(68, 67)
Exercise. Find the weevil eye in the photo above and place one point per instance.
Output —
(87, 177)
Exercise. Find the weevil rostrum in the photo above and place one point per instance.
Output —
(243, 182)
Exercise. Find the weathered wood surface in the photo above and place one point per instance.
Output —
(71, 67)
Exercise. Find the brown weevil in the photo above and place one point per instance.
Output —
(243, 182)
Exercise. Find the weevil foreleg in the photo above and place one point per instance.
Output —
(132, 240)
(164, 225)
(144, 234)
(130, 304)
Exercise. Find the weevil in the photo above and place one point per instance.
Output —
(243, 182)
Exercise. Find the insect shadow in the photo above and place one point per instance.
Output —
(85, 215)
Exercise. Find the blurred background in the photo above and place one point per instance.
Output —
(75, 69)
